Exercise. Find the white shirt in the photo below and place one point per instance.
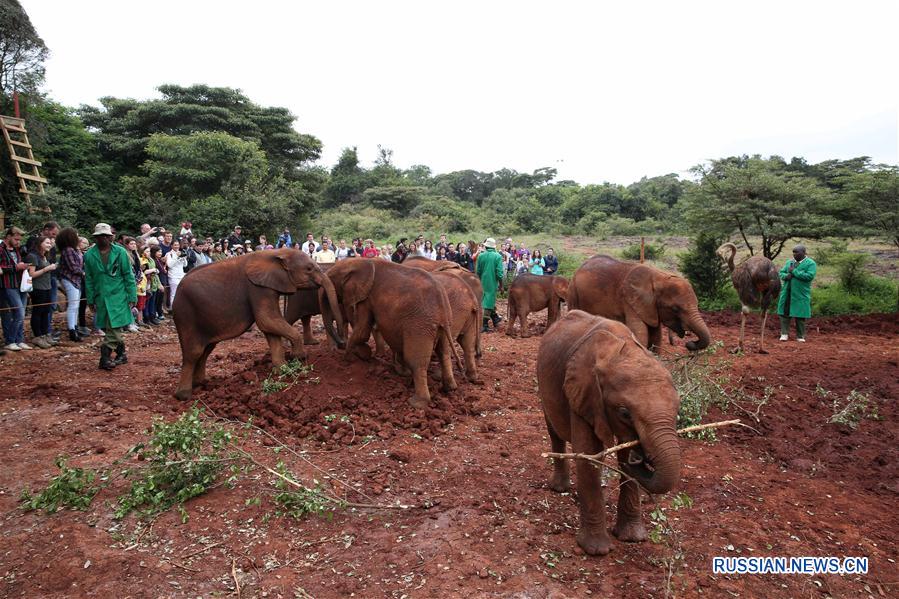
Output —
(430, 255)
(324, 256)
(175, 264)
(343, 253)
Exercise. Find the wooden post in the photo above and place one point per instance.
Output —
(15, 103)
(642, 249)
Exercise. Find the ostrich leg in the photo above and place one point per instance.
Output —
(762, 349)
(743, 311)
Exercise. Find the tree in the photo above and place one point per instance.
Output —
(759, 198)
(124, 127)
(22, 51)
(703, 268)
(398, 198)
(348, 180)
(873, 198)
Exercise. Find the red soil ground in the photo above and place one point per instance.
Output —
(483, 522)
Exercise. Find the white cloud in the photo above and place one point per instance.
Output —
(600, 91)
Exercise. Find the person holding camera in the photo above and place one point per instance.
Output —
(176, 266)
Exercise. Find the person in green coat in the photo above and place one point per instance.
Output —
(796, 293)
(111, 292)
(490, 271)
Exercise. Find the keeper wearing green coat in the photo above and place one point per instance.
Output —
(111, 291)
(490, 271)
(796, 293)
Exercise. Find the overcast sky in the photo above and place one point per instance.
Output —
(601, 91)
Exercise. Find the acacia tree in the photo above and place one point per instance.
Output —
(874, 201)
(758, 198)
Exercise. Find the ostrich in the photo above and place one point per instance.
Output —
(757, 283)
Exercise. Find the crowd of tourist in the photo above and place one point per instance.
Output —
(34, 271)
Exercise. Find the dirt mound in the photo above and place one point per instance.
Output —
(337, 403)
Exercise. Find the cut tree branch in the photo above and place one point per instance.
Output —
(598, 457)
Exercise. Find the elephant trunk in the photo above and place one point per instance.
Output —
(696, 324)
(330, 309)
(656, 462)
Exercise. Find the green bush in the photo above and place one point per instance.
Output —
(877, 295)
(651, 251)
(851, 271)
(701, 266)
(726, 300)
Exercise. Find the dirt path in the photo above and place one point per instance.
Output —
(489, 525)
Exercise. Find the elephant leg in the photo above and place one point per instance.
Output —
(276, 348)
(513, 314)
(560, 481)
(399, 365)
(478, 353)
(523, 312)
(417, 350)
(271, 323)
(762, 349)
(308, 339)
(468, 340)
(593, 534)
(380, 345)
(190, 356)
(200, 368)
(445, 354)
(357, 345)
(655, 339)
(639, 329)
(629, 525)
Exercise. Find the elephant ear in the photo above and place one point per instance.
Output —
(583, 381)
(358, 282)
(560, 287)
(447, 266)
(639, 294)
(268, 269)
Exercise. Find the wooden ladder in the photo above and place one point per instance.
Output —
(30, 180)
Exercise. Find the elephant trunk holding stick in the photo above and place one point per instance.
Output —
(642, 297)
(596, 384)
(222, 301)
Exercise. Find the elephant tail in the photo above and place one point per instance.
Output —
(449, 340)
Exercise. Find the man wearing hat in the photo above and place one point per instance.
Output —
(110, 291)
(796, 293)
(490, 271)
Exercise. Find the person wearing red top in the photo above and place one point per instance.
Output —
(371, 251)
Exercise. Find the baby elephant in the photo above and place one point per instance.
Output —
(597, 384)
(532, 293)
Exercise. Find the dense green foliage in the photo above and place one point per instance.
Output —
(701, 266)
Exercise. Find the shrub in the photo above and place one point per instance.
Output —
(705, 270)
(851, 271)
(650, 251)
(877, 294)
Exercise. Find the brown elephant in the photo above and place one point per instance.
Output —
(471, 279)
(466, 322)
(642, 297)
(222, 300)
(306, 303)
(597, 384)
(410, 310)
(532, 293)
